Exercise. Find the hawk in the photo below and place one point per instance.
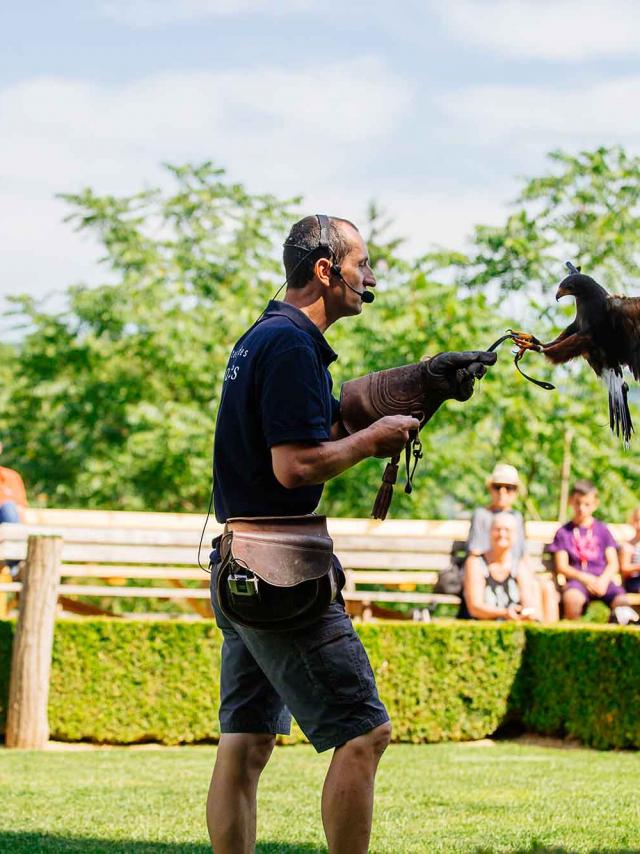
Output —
(606, 332)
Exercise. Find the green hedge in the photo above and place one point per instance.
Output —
(128, 681)
(582, 682)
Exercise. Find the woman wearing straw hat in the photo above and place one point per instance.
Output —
(504, 484)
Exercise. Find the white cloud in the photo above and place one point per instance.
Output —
(428, 217)
(560, 30)
(40, 254)
(152, 13)
(87, 131)
(602, 113)
(446, 219)
(59, 134)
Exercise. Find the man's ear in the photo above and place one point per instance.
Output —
(322, 270)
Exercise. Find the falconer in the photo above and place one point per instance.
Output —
(279, 437)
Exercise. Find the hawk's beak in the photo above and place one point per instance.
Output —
(562, 292)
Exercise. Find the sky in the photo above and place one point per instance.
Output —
(434, 109)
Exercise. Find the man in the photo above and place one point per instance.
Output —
(586, 554)
(278, 439)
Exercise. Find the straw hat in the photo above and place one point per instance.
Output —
(504, 473)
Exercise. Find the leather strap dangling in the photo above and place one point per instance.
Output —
(385, 493)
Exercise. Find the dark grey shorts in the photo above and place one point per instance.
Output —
(320, 674)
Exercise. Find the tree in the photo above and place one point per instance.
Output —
(114, 399)
(586, 209)
(111, 403)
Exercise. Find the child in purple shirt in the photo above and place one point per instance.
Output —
(586, 554)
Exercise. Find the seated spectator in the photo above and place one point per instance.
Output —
(13, 501)
(496, 587)
(587, 555)
(504, 485)
(504, 488)
(630, 557)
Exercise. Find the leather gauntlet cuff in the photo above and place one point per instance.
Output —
(407, 390)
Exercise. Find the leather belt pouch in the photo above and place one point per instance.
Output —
(276, 572)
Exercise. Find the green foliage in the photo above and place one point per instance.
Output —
(112, 402)
(130, 681)
(114, 399)
(124, 681)
(583, 682)
(586, 208)
(444, 682)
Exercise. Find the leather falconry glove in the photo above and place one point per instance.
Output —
(417, 390)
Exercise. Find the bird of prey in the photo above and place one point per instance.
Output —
(606, 332)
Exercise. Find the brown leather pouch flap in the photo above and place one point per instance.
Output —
(281, 550)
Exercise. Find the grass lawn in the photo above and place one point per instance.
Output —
(444, 797)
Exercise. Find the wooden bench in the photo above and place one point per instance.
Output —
(153, 556)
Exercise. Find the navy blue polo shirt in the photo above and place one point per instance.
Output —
(276, 390)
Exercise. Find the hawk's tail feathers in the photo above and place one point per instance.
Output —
(619, 413)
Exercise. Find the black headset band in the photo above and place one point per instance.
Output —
(323, 240)
(323, 222)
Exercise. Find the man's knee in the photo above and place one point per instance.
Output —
(259, 751)
(381, 738)
(248, 753)
(372, 744)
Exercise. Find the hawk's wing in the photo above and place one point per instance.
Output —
(624, 313)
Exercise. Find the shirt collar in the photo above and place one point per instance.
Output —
(299, 318)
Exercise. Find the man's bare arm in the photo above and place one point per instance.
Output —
(300, 464)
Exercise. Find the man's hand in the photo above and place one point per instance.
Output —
(390, 434)
(455, 373)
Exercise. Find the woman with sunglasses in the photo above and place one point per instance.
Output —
(503, 484)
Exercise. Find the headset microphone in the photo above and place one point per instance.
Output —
(365, 296)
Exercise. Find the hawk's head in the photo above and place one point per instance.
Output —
(580, 286)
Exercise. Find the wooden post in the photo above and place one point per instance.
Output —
(565, 474)
(27, 724)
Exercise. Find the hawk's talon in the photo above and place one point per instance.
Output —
(523, 341)
(524, 338)
(527, 345)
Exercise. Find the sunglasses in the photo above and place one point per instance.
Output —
(510, 487)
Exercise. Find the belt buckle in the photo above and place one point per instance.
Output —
(243, 583)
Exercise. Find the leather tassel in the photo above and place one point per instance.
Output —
(385, 493)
